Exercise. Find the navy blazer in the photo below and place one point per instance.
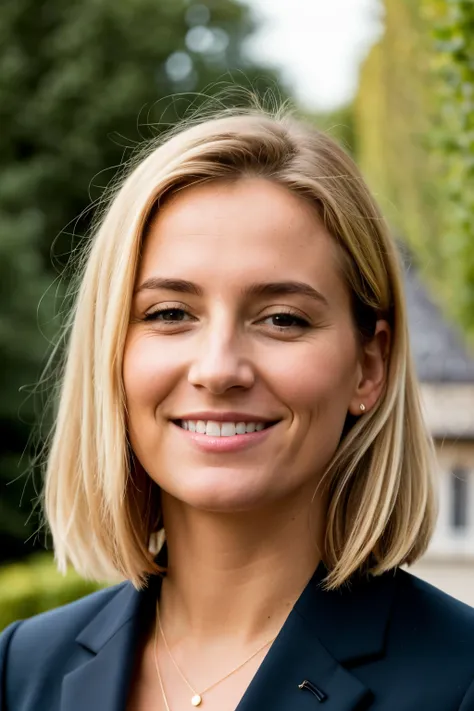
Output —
(392, 643)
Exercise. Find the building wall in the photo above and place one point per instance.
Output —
(449, 562)
(454, 535)
(449, 409)
(453, 576)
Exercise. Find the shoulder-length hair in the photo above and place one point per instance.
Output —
(103, 511)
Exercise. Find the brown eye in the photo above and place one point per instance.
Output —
(174, 318)
(288, 317)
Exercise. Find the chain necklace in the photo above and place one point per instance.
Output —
(196, 699)
(158, 668)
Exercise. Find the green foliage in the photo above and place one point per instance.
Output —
(453, 36)
(34, 586)
(339, 124)
(82, 83)
(392, 121)
(413, 116)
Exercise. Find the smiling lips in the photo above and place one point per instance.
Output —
(221, 429)
(210, 436)
(229, 416)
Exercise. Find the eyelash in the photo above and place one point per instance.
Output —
(302, 322)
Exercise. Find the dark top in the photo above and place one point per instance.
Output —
(392, 643)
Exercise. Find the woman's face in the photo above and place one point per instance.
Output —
(284, 356)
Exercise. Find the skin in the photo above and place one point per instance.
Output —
(234, 521)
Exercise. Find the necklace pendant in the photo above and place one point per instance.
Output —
(196, 700)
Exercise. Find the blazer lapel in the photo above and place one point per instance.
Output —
(106, 652)
(297, 656)
(324, 632)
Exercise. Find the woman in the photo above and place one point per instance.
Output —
(238, 381)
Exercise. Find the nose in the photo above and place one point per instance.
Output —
(221, 361)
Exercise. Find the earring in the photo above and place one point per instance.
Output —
(362, 407)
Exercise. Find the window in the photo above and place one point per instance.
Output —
(459, 499)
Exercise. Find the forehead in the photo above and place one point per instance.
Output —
(242, 230)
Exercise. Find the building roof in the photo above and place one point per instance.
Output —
(439, 351)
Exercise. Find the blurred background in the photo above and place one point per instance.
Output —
(83, 82)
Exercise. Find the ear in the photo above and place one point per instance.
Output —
(373, 368)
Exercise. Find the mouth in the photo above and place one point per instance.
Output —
(221, 444)
(267, 425)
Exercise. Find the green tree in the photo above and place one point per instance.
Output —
(453, 61)
(414, 118)
(339, 123)
(394, 117)
(82, 83)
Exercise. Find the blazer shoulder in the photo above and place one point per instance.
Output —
(54, 633)
(430, 610)
(59, 624)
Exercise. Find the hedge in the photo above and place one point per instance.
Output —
(34, 586)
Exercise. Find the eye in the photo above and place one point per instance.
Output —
(173, 316)
(154, 315)
(288, 316)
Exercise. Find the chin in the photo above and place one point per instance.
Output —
(219, 498)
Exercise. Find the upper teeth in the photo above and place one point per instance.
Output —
(221, 429)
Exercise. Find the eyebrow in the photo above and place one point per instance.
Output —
(255, 289)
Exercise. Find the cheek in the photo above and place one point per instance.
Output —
(319, 378)
(145, 374)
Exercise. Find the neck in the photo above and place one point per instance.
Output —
(237, 574)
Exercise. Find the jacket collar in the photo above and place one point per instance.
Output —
(106, 650)
(324, 632)
(128, 608)
(351, 622)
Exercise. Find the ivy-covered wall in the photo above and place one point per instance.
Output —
(414, 123)
(452, 24)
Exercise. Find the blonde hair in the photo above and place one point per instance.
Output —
(102, 510)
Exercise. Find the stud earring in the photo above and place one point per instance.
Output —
(362, 407)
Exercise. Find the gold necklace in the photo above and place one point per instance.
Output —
(196, 699)
(158, 668)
